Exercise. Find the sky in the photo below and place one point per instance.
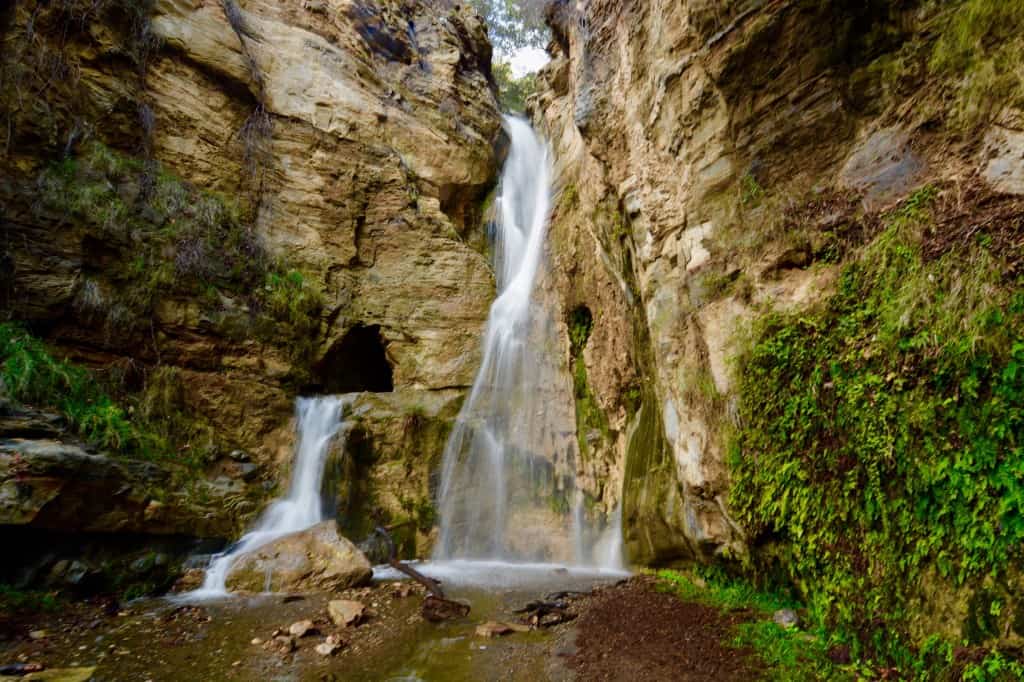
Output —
(526, 60)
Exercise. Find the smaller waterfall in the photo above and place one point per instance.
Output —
(319, 420)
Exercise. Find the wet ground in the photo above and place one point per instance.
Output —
(625, 630)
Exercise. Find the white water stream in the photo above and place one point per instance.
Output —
(318, 422)
(498, 500)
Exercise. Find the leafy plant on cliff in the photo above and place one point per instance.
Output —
(881, 434)
(34, 376)
(154, 424)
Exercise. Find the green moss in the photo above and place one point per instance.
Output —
(881, 433)
(13, 600)
(590, 418)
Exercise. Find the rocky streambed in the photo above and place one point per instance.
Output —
(306, 637)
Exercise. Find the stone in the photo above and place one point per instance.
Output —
(402, 590)
(38, 634)
(884, 167)
(786, 618)
(344, 612)
(436, 610)
(301, 628)
(498, 629)
(284, 644)
(330, 645)
(317, 559)
(1003, 159)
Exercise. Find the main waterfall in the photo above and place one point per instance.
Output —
(500, 496)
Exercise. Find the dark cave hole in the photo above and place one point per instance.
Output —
(356, 364)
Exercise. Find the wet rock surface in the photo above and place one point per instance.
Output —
(314, 559)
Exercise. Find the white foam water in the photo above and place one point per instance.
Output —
(318, 423)
(496, 500)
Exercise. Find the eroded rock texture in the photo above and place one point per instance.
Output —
(715, 161)
(342, 149)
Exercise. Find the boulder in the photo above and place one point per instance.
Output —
(344, 612)
(316, 559)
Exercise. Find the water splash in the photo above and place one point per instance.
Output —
(501, 498)
(318, 422)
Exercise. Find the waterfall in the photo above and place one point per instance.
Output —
(498, 494)
(318, 422)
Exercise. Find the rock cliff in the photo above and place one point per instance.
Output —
(216, 206)
(724, 164)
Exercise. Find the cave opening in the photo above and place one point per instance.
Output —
(357, 363)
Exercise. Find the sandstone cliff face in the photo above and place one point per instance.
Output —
(709, 154)
(223, 192)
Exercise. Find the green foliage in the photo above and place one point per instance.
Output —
(153, 426)
(581, 323)
(513, 24)
(881, 434)
(790, 655)
(513, 92)
(751, 192)
(32, 375)
(982, 46)
(13, 600)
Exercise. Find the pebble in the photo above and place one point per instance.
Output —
(786, 618)
(302, 628)
(256, 641)
(37, 634)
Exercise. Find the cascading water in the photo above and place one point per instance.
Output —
(498, 493)
(319, 421)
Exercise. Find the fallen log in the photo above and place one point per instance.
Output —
(436, 607)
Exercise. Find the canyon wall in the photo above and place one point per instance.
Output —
(724, 166)
(217, 206)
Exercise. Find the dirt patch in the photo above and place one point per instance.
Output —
(634, 632)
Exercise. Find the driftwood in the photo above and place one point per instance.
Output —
(567, 594)
(436, 607)
(544, 614)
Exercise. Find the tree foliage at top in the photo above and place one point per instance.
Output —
(512, 91)
(514, 24)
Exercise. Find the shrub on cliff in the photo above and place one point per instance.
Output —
(881, 439)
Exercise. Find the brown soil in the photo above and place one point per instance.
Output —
(634, 632)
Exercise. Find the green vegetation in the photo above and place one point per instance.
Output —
(13, 600)
(590, 417)
(982, 45)
(513, 24)
(790, 654)
(154, 425)
(513, 92)
(880, 436)
(793, 655)
(172, 239)
(32, 375)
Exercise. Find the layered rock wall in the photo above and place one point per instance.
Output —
(719, 160)
(218, 193)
